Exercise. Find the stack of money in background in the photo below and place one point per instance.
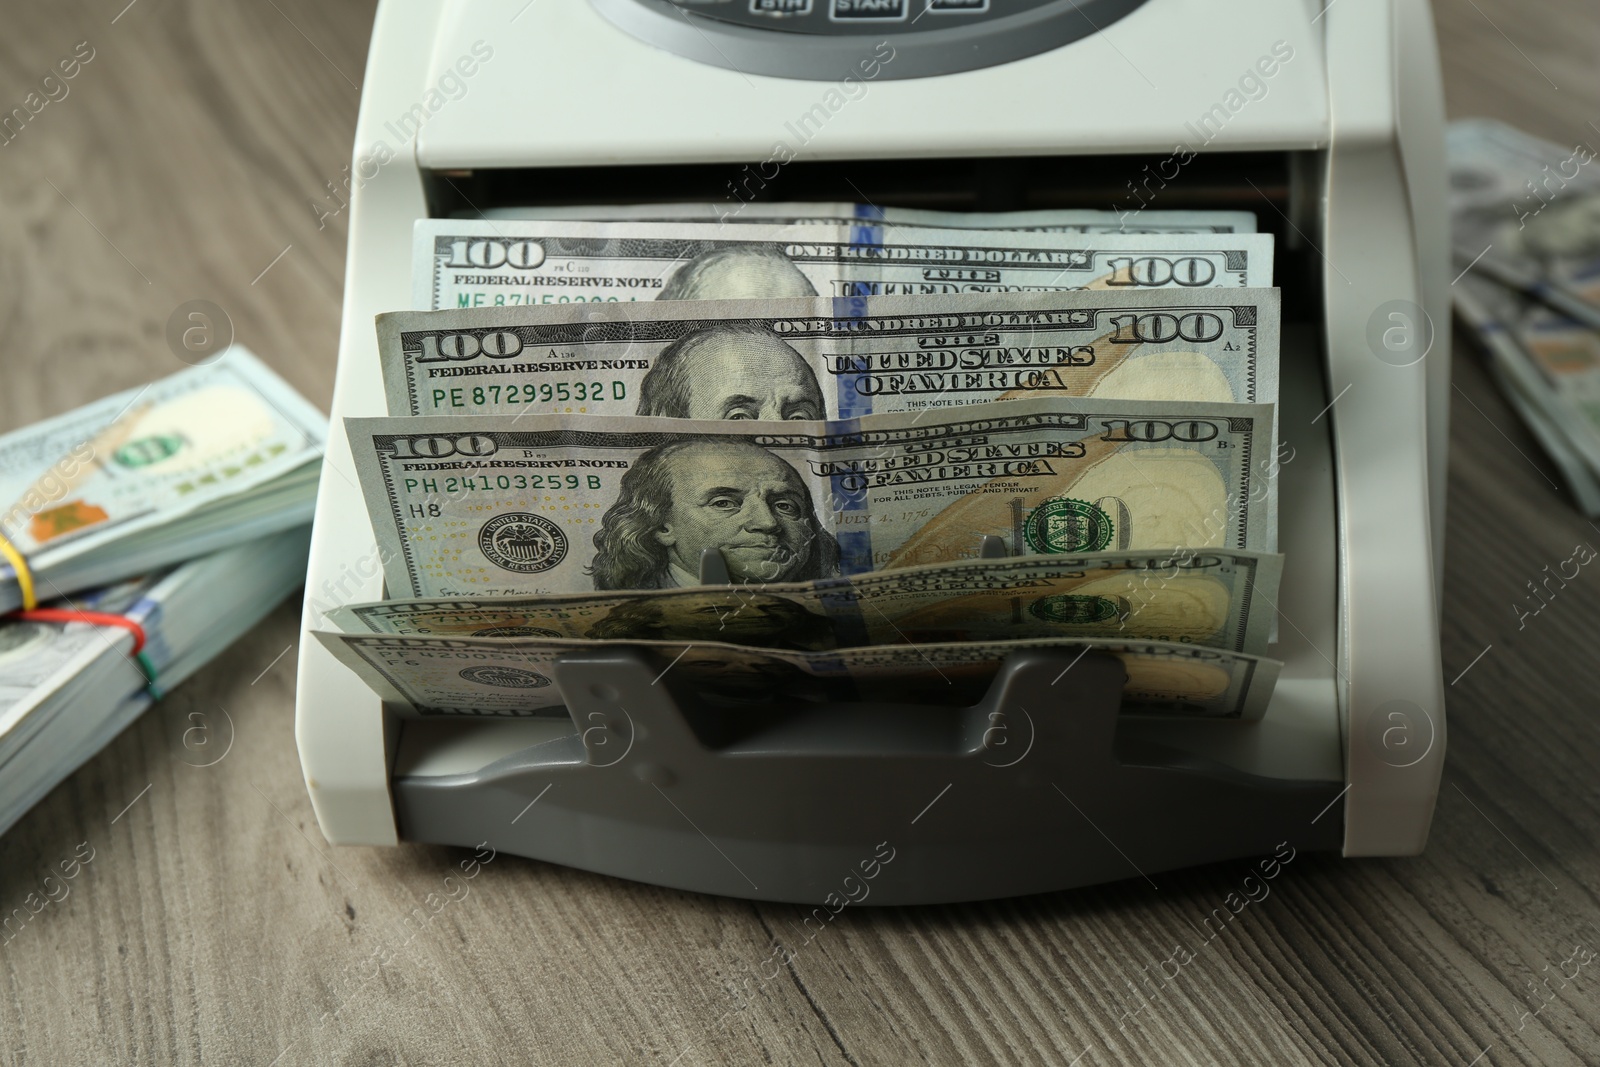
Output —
(153, 527)
(1526, 235)
(837, 403)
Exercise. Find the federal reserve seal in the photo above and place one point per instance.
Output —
(527, 544)
(515, 631)
(505, 677)
(1071, 526)
(1076, 609)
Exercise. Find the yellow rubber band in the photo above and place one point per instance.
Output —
(24, 575)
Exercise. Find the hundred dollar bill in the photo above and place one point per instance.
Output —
(793, 213)
(1555, 359)
(463, 676)
(67, 688)
(1578, 475)
(461, 263)
(841, 358)
(493, 505)
(1527, 212)
(1186, 595)
(1544, 364)
(42, 661)
(191, 463)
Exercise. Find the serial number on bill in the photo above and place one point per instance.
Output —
(529, 393)
(461, 485)
(498, 300)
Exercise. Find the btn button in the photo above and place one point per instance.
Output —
(780, 8)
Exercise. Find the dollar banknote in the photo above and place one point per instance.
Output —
(1580, 478)
(493, 505)
(801, 213)
(1527, 213)
(1545, 365)
(1556, 359)
(69, 687)
(188, 464)
(465, 676)
(460, 263)
(40, 661)
(1203, 598)
(840, 358)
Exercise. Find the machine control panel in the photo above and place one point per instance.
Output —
(822, 39)
(856, 16)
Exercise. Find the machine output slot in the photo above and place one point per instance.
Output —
(1220, 180)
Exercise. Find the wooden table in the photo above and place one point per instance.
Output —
(214, 925)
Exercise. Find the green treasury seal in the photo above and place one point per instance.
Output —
(1076, 608)
(1063, 525)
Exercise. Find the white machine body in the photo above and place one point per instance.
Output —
(1351, 110)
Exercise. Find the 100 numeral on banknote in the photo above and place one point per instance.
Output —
(493, 505)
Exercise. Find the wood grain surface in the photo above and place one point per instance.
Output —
(214, 924)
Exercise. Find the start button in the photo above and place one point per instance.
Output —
(868, 10)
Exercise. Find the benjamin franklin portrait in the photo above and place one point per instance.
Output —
(731, 372)
(687, 496)
(737, 273)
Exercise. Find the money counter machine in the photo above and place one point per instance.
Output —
(1323, 120)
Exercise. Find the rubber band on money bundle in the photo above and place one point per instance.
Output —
(24, 576)
(101, 618)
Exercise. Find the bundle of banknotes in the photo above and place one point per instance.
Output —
(777, 456)
(1526, 237)
(145, 532)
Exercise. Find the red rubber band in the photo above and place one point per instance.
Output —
(98, 618)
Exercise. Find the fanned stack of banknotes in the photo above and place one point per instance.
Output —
(775, 447)
(143, 534)
(1526, 234)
